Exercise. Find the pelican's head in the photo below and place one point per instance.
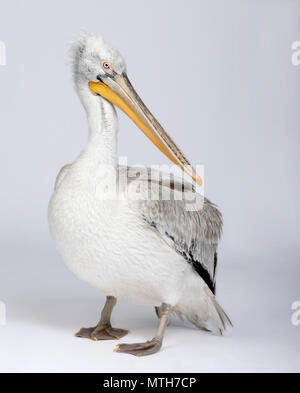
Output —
(104, 70)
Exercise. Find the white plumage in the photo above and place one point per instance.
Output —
(145, 251)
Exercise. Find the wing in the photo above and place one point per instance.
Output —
(192, 224)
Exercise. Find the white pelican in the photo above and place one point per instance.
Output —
(154, 252)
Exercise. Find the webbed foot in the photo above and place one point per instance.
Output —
(102, 333)
(140, 349)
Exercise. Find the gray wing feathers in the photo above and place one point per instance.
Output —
(195, 234)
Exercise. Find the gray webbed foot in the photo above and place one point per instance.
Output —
(140, 349)
(102, 333)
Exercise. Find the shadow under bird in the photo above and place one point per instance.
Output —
(152, 251)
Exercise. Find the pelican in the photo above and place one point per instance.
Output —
(152, 251)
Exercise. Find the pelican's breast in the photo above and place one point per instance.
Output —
(83, 229)
(105, 243)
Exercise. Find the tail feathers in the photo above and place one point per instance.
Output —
(206, 313)
(225, 320)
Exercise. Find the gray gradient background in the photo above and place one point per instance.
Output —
(218, 76)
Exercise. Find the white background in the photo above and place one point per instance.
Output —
(218, 75)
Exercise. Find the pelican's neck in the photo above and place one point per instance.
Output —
(101, 148)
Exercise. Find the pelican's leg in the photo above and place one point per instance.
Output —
(158, 311)
(153, 346)
(104, 330)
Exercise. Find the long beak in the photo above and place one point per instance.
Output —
(119, 91)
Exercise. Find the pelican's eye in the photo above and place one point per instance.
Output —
(106, 66)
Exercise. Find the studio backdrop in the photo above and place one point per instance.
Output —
(222, 77)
